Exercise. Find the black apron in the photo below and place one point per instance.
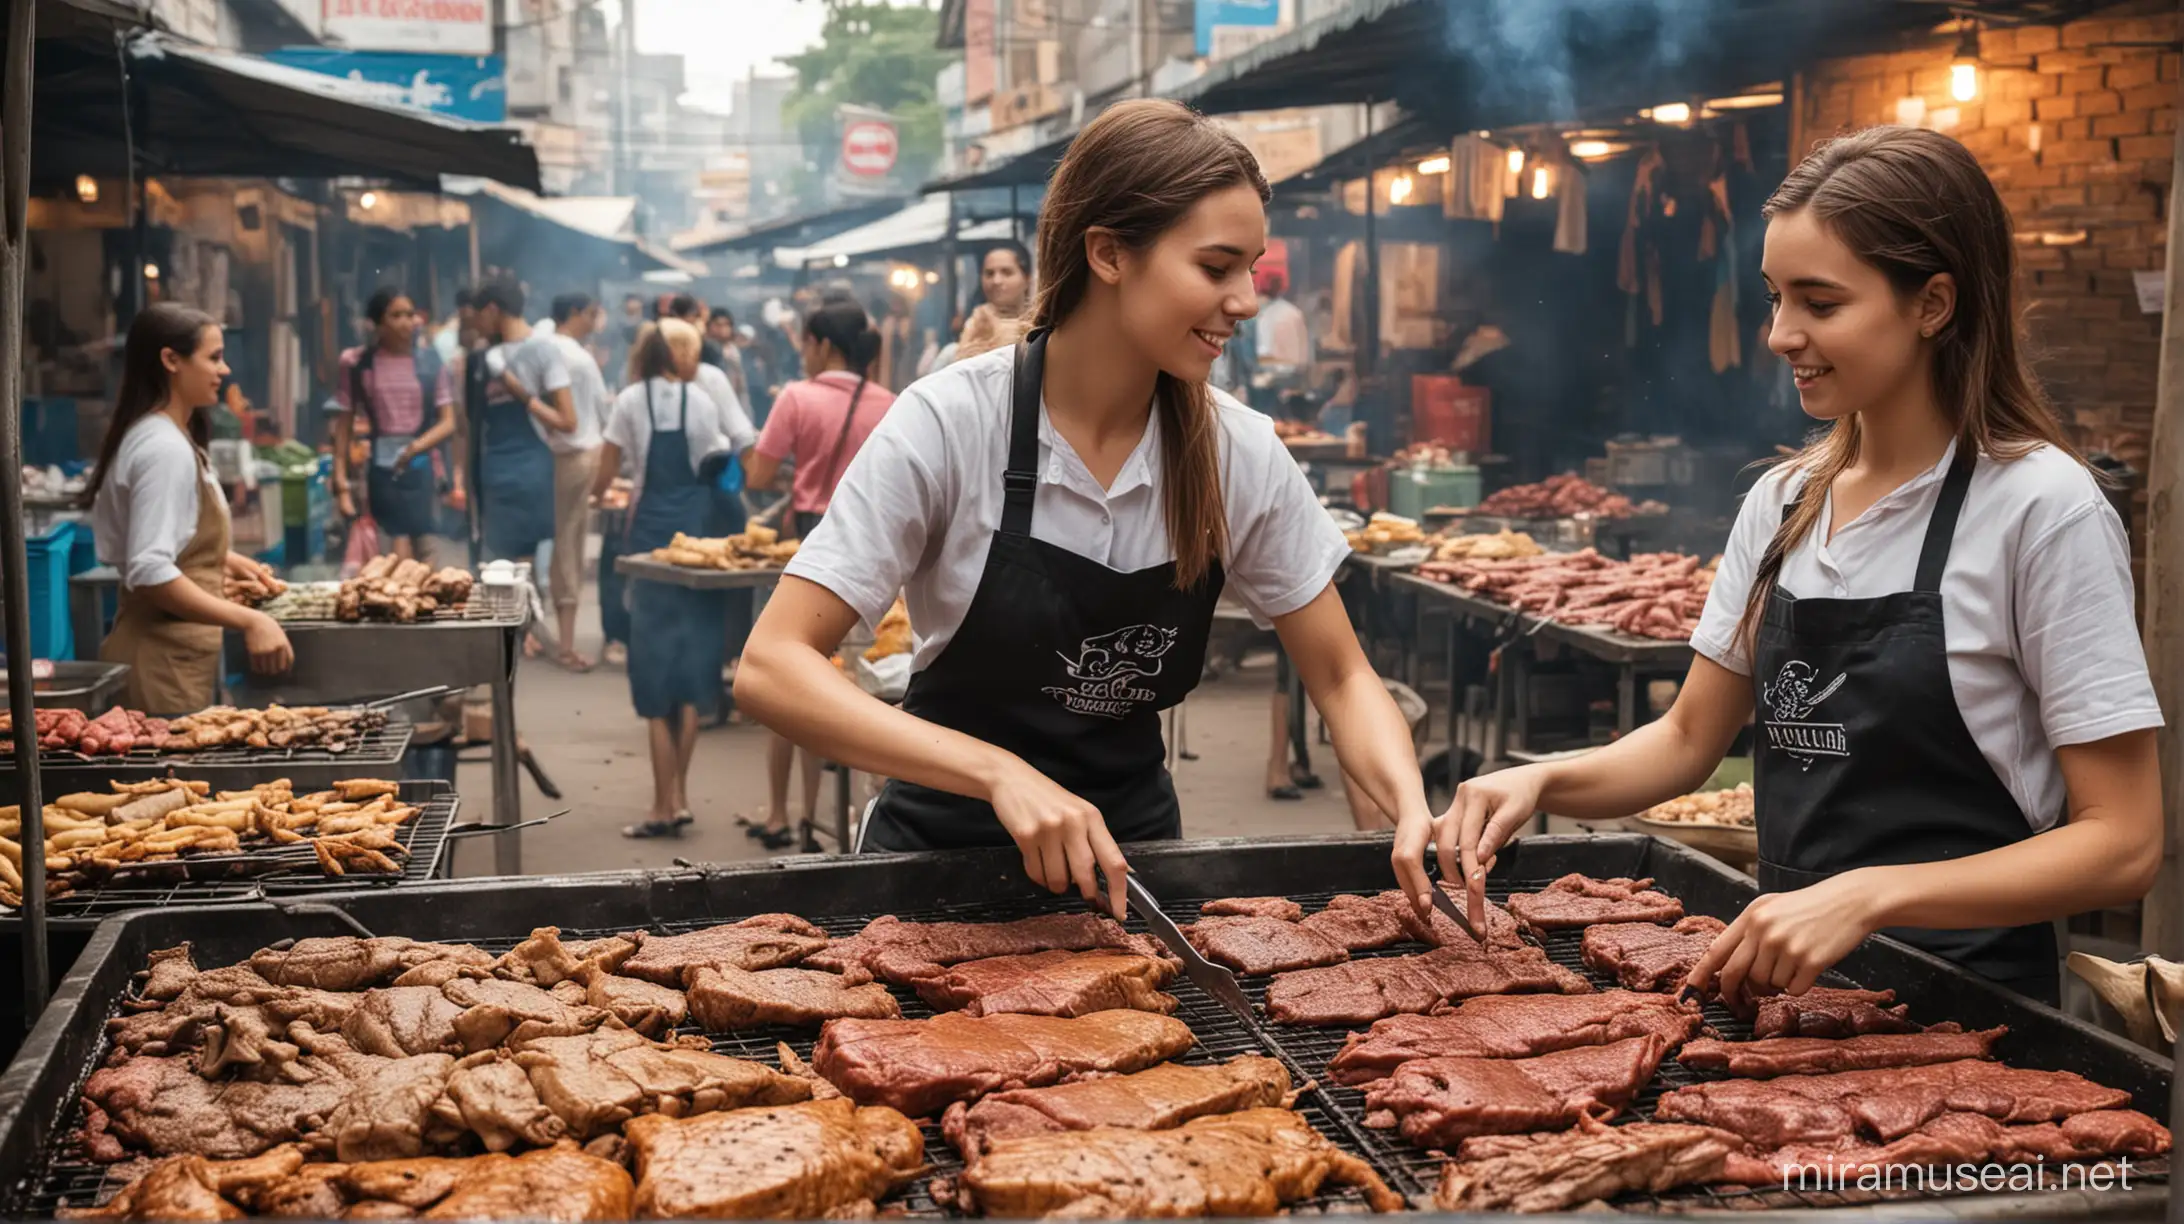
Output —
(1864, 760)
(679, 643)
(1060, 660)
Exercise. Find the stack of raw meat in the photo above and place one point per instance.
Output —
(110, 734)
(1564, 496)
(1655, 595)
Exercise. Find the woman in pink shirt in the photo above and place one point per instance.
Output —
(819, 423)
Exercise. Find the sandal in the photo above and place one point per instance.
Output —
(777, 839)
(684, 818)
(1284, 792)
(653, 828)
(572, 661)
(1304, 778)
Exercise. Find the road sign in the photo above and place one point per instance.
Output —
(869, 147)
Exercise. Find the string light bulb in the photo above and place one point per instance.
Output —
(1964, 68)
(1399, 189)
(1672, 113)
(87, 189)
(1542, 185)
(1585, 150)
(1434, 165)
(369, 200)
(1516, 161)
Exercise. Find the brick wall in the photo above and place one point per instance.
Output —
(2076, 125)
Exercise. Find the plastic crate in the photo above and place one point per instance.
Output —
(51, 636)
(305, 500)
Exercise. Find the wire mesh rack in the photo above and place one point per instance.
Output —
(269, 872)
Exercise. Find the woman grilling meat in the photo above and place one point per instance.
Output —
(1929, 609)
(1061, 516)
(161, 519)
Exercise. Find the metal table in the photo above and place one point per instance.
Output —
(645, 569)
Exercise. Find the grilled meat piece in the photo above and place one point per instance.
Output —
(1252, 907)
(345, 962)
(544, 959)
(216, 997)
(384, 1115)
(1158, 1098)
(163, 1105)
(558, 1183)
(920, 1066)
(398, 1021)
(1053, 984)
(1822, 1055)
(901, 952)
(637, 1004)
(1240, 1164)
(1513, 1026)
(490, 1095)
(767, 941)
(1580, 900)
(597, 1081)
(1439, 1102)
(1441, 931)
(505, 1013)
(1646, 956)
(1557, 1170)
(1361, 924)
(1363, 991)
(724, 999)
(167, 972)
(1825, 1011)
(1886, 1104)
(809, 1161)
(1956, 1139)
(194, 1188)
(1255, 946)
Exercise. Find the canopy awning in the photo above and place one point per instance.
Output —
(204, 111)
(1031, 169)
(910, 230)
(796, 230)
(608, 219)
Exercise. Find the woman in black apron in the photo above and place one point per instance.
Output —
(1063, 516)
(680, 639)
(1929, 609)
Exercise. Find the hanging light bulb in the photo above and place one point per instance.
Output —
(1671, 112)
(1542, 185)
(1399, 189)
(1434, 165)
(1516, 161)
(369, 200)
(1964, 69)
(87, 189)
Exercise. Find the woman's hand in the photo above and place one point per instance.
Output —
(1783, 942)
(343, 502)
(1487, 810)
(1064, 839)
(268, 645)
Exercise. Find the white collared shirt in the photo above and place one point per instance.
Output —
(146, 511)
(918, 506)
(2037, 606)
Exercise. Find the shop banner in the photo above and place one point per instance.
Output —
(1212, 13)
(449, 27)
(472, 87)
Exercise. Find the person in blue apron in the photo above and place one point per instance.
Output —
(677, 438)
(396, 385)
(1060, 517)
(517, 388)
(1929, 611)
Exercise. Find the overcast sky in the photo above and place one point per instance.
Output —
(722, 41)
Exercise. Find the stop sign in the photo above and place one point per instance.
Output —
(868, 147)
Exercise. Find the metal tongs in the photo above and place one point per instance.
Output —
(1203, 973)
(1448, 907)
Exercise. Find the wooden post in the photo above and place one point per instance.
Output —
(2161, 924)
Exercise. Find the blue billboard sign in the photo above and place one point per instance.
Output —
(472, 87)
(1211, 13)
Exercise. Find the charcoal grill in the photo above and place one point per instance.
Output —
(39, 1104)
(374, 754)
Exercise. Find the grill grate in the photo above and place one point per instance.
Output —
(379, 747)
(69, 1179)
(286, 871)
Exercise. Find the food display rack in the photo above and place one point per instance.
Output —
(645, 569)
(374, 754)
(40, 1105)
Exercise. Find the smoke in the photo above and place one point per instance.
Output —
(1539, 58)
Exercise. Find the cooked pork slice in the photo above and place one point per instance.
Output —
(545, 958)
(1439, 1102)
(1500, 928)
(1513, 1026)
(385, 1115)
(558, 1183)
(398, 1021)
(346, 962)
(1052, 984)
(640, 1005)
(724, 999)
(1647, 956)
(1361, 924)
(920, 1066)
(1263, 945)
(167, 971)
(1885, 1104)
(597, 1081)
(1579, 900)
(902, 952)
(193, 1188)
(496, 1012)
(768, 941)
(1363, 991)
(1157, 1098)
(1558, 1170)
(1821, 1055)
(1252, 907)
(1240, 1164)
(163, 1105)
(1825, 1011)
(490, 1095)
(809, 1161)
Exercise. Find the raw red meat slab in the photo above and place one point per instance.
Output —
(1580, 900)
(1513, 1026)
(1363, 991)
(1439, 1102)
(1824, 1055)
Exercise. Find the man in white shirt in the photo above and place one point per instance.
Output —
(576, 318)
(1285, 342)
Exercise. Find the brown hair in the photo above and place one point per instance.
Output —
(157, 328)
(1915, 204)
(1135, 171)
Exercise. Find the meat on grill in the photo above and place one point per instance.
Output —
(637, 1004)
(398, 1021)
(1263, 945)
(1825, 1011)
(1646, 956)
(902, 952)
(1053, 984)
(544, 959)
(1239, 1164)
(920, 1066)
(1886, 1104)
(1252, 907)
(597, 1081)
(1439, 1102)
(1361, 924)
(192, 1188)
(1580, 901)
(1441, 930)
(1363, 991)
(498, 1013)
(1557, 1170)
(1158, 1098)
(1513, 1026)
(161, 1104)
(1821, 1055)
(723, 999)
(385, 1114)
(768, 941)
(1956, 1139)
(346, 962)
(809, 1161)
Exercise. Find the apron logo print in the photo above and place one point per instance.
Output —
(1792, 700)
(1106, 665)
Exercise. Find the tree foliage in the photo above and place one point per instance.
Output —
(878, 55)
